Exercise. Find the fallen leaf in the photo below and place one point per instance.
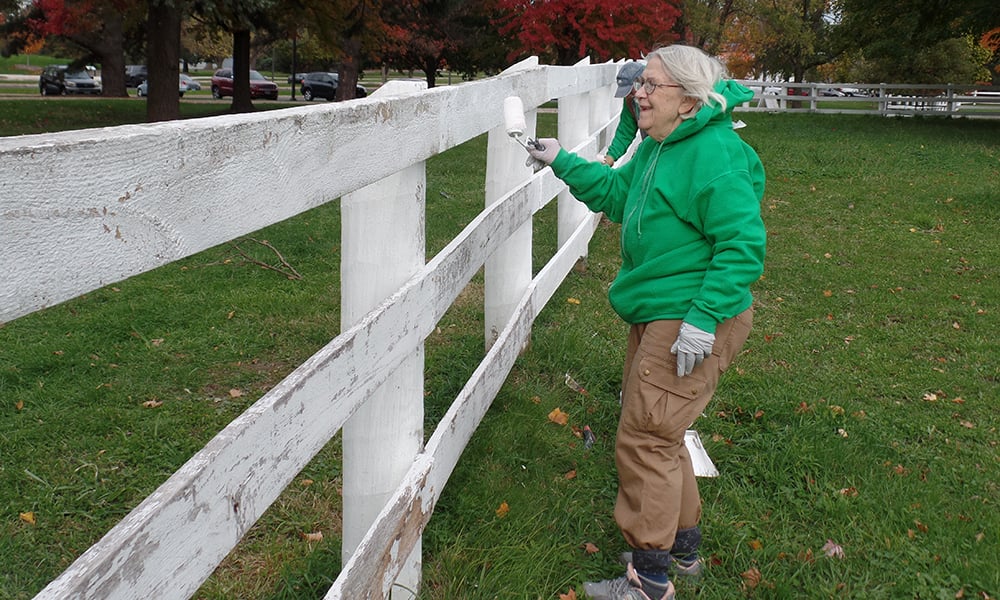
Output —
(156, 342)
(503, 510)
(235, 393)
(152, 404)
(558, 417)
(850, 492)
(590, 548)
(570, 595)
(572, 300)
(833, 550)
(28, 517)
(922, 528)
(536, 400)
(827, 293)
(19, 404)
(842, 432)
(230, 314)
(571, 474)
(967, 424)
(306, 482)
(756, 544)
(751, 578)
(316, 536)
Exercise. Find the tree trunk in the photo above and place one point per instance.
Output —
(163, 52)
(241, 72)
(348, 71)
(107, 43)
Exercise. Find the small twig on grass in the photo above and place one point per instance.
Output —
(285, 269)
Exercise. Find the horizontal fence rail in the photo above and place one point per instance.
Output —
(133, 216)
(948, 100)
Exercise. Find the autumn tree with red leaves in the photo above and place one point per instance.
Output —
(565, 31)
(97, 26)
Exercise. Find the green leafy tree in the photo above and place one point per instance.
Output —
(914, 40)
(240, 18)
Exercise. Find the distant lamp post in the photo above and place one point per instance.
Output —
(295, 35)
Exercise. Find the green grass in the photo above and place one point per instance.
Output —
(862, 410)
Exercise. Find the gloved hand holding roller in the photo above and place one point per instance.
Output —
(514, 123)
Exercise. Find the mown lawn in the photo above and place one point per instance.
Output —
(862, 413)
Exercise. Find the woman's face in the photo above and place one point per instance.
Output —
(660, 110)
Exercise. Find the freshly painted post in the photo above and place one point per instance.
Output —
(574, 127)
(508, 269)
(383, 245)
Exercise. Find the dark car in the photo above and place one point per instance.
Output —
(260, 86)
(324, 85)
(57, 80)
(135, 74)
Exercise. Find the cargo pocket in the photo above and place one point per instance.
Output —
(663, 401)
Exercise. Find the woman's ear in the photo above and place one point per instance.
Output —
(689, 107)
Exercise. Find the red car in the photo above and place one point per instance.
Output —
(260, 86)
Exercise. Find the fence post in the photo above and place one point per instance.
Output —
(508, 269)
(383, 245)
(574, 127)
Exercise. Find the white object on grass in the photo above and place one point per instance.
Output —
(703, 465)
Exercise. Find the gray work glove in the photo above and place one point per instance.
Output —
(540, 158)
(692, 347)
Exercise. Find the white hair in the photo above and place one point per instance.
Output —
(695, 70)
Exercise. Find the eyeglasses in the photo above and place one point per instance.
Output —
(649, 87)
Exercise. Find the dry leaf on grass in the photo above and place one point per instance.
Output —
(503, 510)
(833, 550)
(569, 595)
(28, 517)
(590, 548)
(152, 404)
(558, 417)
(751, 578)
(316, 536)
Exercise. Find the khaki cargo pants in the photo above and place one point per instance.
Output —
(657, 491)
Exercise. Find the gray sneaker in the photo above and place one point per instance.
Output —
(631, 586)
(688, 569)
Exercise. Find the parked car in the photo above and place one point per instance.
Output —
(260, 86)
(57, 80)
(143, 88)
(135, 74)
(850, 91)
(324, 85)
(192, 83)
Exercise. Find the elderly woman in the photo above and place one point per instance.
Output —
(692, 244)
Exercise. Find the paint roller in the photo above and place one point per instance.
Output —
(513, 118)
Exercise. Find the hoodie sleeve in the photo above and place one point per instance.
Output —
(627, 128)
(729, 215)
(597, 185)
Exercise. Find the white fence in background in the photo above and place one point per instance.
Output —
(116, 203)
(897, 99)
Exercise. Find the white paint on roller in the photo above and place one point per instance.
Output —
(513, 116)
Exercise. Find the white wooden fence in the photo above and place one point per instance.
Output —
(117, 202)
(897, 99)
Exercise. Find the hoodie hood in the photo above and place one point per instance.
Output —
(734, 92)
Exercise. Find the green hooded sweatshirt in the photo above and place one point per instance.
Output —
(692, 238)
